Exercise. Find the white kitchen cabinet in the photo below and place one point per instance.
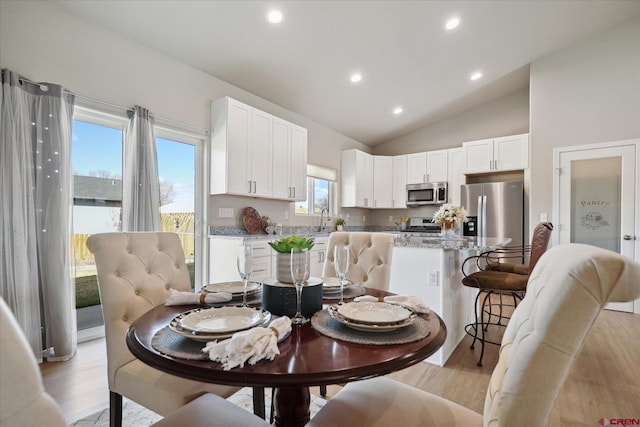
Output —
(399, 181)
(455, 173)
(222, 258)
(382, 182)
(318, 256)
(416, 168)
(356, 179)
(437, 165)
(498, 154)
(251, 151)
(430, 166)
(289, 160)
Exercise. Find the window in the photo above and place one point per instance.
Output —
(320, 191)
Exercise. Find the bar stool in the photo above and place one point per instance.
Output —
(497, 276)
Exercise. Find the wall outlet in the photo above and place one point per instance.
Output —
(543, 217)
(390, 218)
(364, 218)
(286, 214)
(432, 277)
(225, 212)
(347, 216)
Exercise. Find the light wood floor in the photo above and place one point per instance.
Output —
(604, 382)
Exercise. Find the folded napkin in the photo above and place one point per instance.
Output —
(252, 345)
(187, 298)
(409, 301)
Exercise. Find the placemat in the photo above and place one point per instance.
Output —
(175, 345)
(323, 323)
(349, 292)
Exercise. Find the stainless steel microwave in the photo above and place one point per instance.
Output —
(427, 193)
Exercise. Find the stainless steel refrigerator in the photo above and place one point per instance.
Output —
(496, 209)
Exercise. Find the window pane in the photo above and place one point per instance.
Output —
(302, 207)
(176, 170)
(320, 195)
(96, 158)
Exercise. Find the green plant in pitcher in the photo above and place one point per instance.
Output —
(285, 244)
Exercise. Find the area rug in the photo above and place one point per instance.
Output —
(134, 415)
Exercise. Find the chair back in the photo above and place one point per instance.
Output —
(23, 401)
(135, 273)
(539, 242)
(566, 292)
(370, 253)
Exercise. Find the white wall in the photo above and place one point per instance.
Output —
(584, 94)
(508, 115)
(44, 42)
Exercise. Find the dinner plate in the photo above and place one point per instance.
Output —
(370, 327)
(332, 284)
(176, 326)
(234, 288)
(377, 313)
(222, 319)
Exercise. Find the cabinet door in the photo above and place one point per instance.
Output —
(479, 156)
(281, 159)
(261, 153)
(364, 179)
(237, 148)
(455, 175)
(416, 168)
(316, 266)
(298, 167)
(437, 166)
(511, 152)
(399, 192)
(382, 181)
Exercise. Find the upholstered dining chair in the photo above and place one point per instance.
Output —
(370, 253)
(567, 290)
(24, 402)
(135, 273)
(497, 276)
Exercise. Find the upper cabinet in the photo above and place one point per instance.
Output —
(428, 166)
(356, 179)
(399, 181)
(289, 160)
(382, 184)
(498, 154)
(254, 153)
(455, 174)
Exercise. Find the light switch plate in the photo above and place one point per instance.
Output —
(225, 212)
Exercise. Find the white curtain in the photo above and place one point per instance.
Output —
(35, 214)
(140, 187)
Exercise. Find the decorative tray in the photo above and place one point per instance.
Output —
(251, 220)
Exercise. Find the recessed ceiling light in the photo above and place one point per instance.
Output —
(275, 16)
(355, 78)
(476, 75)
(452, 23)
(397, 110)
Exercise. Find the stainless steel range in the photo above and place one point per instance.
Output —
(423, 225)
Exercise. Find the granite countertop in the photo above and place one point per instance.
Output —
(437, 242)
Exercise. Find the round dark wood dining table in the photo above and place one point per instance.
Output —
(307, 358)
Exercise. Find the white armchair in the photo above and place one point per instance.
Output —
(135, 273)
(370, 257)
(566, 291)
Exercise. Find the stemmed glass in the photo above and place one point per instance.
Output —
(299, 274)
(245, 265)
(341, 265)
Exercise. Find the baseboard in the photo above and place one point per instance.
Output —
(90, 333)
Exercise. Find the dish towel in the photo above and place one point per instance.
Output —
(409, 301)
(252, 345)
(187, 298)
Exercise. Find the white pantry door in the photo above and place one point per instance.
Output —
(597, 200)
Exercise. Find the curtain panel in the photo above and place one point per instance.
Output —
(140, 186)
(35, 215)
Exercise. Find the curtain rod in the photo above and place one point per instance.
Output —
(86, 98)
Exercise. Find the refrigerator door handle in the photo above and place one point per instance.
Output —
(480, 217)
(484, 216)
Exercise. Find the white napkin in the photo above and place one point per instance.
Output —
(252, 345)
(409, 301)
(187, 298)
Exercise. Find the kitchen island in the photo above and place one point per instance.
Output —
(429, 267)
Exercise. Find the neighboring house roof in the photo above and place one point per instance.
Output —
(95, 188)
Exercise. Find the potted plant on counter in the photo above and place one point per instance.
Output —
(340, 223)
(283, 248)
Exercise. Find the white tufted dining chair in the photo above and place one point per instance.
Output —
(566, 291)
(135, 273)
(370, 263)
(24, 403)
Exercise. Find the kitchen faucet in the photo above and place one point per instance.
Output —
(323, 224)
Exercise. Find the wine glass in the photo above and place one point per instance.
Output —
(341, 265)
(299, 274)
(245, 265)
